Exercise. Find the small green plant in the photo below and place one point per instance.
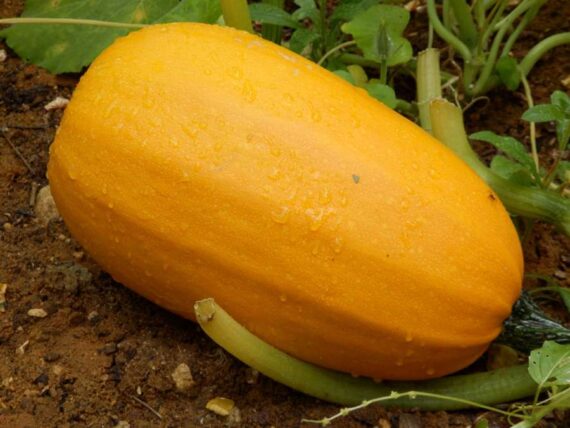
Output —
(483, 33)
(355, 34)
(517, 165)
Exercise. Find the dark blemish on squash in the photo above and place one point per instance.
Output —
(492, 197)
(356, 178)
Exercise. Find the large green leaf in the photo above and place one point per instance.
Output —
(68, 48)
(550, 365)
(207, 11)
(270, 14)
(378, 31)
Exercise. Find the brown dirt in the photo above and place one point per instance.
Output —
(102, 351)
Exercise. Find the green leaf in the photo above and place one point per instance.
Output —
(562, 100)
(507, 69)
(543, 113)
(347, 10)
(307, 9)
(558, 111)
(207, 11)
(378, 32)
(508, 145)
(550, 365)
(67, 48)
(302, 40)
(563, 171)
(270, 14)
(512, 171)
(383, 93)
(344, 74)
(482, 423)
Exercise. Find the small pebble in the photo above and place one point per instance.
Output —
(408, 420)
(42, 379)
(57, 370)
(93, 317)
(3, 55)
(45, 208)
(51, 357)
(56, 103)
(220, 406)
(3, 288)
(109, 348)
(566, 82)
(123, 424)
(560, 274)
(7, 227)
(182, 377)
(384, 423)
(37, 313)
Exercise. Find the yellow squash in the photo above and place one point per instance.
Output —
(199, 161)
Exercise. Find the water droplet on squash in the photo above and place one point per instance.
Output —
(316, 217)
(281, 216)
(235, 72)
(248, 92)
(338, 244)
(283, 298)
(325, 196)
(275, 174)
(111, 205)
(315, 116)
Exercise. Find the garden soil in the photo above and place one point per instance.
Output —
(94, 354)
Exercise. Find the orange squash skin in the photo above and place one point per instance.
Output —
(198, 161)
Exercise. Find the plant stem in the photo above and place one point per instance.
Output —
(272, 32)
(445, 33)
(447, 126)
(528, 16)
(532, 125)
(497, 386)
(340, 47)
(532, 57)
(70, 21)
(492, 19)
(428, 84)
(464, 18)
(489, 65)
(541, 48)
(383, 71)
(236, 14)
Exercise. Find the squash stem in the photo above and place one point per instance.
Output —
(448, 127)
(528, 327)
(236, 14)
(487, 388)
(428, 84)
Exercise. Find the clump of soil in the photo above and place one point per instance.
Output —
(78, 349)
